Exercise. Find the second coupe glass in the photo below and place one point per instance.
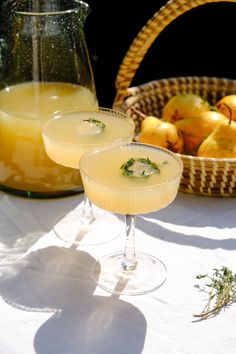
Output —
(67, 136)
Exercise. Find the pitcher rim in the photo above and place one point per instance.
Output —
(53, 13)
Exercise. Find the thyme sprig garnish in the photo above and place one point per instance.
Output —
(96, 122)
(140, 167)
(222, 291)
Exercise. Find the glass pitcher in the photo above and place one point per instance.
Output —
(44, 67)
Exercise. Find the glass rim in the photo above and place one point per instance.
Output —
(106, 110)
(148, 146)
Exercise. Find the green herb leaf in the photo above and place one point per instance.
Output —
(125, 167)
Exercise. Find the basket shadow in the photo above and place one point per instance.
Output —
(202, 222)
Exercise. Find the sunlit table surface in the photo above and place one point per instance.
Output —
(50, 304)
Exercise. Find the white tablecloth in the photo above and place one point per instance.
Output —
(50, 304)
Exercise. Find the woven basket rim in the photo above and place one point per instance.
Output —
(208, 159)
(184, 79)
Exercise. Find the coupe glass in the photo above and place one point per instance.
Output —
(67, 135)
(130, 179)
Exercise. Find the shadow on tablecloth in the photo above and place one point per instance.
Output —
(59, 281)
(197, 221)
(24, 221)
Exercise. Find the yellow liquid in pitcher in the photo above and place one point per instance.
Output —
(24, 164)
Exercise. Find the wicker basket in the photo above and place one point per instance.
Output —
(201, 176)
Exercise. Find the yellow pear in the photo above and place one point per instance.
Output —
(227, 106)
(221, 142)
(184, 106)
(194, 130)
(155, 131)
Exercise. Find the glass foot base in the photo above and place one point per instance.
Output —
(105, 228)
(148, 276)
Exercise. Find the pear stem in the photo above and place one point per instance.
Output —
(230, 112)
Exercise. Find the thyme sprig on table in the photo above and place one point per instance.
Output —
(222, 291)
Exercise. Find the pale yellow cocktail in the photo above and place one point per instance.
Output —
(102, 176)
(67, 136)
(24, 163)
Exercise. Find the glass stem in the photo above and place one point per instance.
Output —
(129, 261)
(87, 215)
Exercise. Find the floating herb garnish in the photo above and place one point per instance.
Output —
(98, 123)
(140, 167)
(222, 291)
